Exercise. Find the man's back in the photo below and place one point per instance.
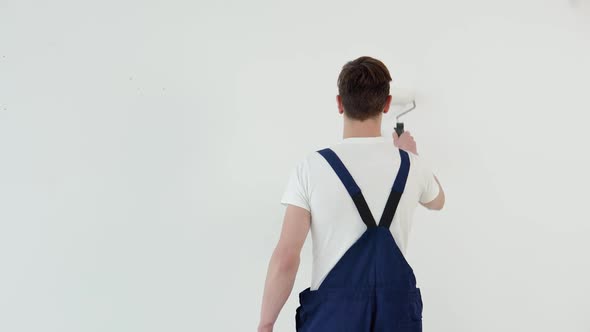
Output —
(373, 162)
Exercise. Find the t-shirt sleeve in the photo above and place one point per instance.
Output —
(297, 190)
(429, 187)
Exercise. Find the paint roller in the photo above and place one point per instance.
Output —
(402, 97)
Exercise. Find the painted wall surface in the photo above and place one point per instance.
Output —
(144, 146)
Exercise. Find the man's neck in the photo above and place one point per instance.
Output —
(367, 128)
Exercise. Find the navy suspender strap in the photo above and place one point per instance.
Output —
(396, 190)
(356, 194)
(351, 186)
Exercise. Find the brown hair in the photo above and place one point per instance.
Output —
(363, 85)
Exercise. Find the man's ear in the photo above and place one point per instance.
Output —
(339, 103)
(387, 103)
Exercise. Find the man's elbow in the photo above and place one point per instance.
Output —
(441, 204)
(286, 260)
(436, 204)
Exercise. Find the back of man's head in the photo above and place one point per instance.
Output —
(363, 85)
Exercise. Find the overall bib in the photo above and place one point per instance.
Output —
(372, 288)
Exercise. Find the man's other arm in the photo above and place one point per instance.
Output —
(406, 142)
(283, 265)
(439, 201)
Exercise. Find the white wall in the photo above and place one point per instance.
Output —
(144, 147)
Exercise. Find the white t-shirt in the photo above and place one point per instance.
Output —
(336, 224)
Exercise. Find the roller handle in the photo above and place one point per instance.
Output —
(399, 129)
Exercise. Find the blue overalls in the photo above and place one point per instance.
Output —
(372, 287)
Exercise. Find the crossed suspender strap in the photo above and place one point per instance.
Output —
(396, 190)
(355, 192)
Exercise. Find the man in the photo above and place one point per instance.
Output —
(360, 279)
